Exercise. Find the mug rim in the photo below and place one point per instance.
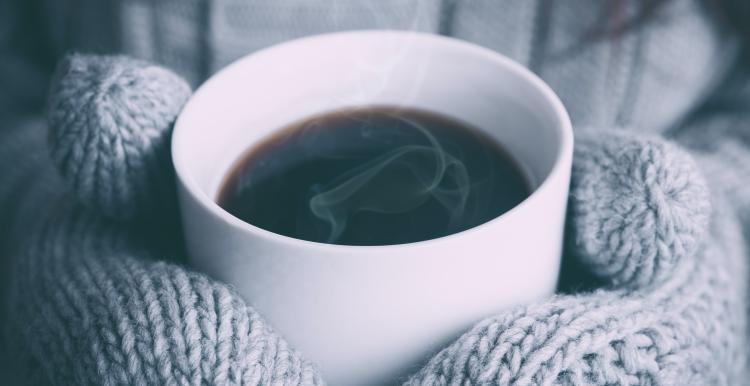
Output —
(563, 126)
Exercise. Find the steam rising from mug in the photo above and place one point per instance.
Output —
(374, 175)
(395, 182)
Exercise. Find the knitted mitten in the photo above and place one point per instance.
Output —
(97, 295)
(673, 308)
(95, 299)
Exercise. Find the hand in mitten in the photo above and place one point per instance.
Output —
(672, 307)
(93, 304)
(97, 295)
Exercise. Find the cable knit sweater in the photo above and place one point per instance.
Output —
(95, 295)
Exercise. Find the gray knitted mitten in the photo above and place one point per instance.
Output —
(96, 299)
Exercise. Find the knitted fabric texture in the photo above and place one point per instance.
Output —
(90, 301)
(640, 205)
(92, 304)
(94, 309)
(109, 121)
(645, 79)
(672, 315)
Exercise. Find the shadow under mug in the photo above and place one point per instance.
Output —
(374, 314)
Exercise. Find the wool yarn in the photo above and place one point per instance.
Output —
(640, 214)
(93, 306)
(639, 206)
(93, 303)
(110, 122)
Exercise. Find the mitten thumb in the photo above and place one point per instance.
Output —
(638, 205)
(110, 121)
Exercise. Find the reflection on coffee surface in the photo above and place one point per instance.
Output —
(373, 176)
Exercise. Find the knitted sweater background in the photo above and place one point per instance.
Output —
(96, 301)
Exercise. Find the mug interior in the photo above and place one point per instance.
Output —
(273, 88)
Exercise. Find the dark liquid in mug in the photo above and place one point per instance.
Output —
(373, 176)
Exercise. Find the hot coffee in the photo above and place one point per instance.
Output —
(373, 176)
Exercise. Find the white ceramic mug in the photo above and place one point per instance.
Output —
(373, 314)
